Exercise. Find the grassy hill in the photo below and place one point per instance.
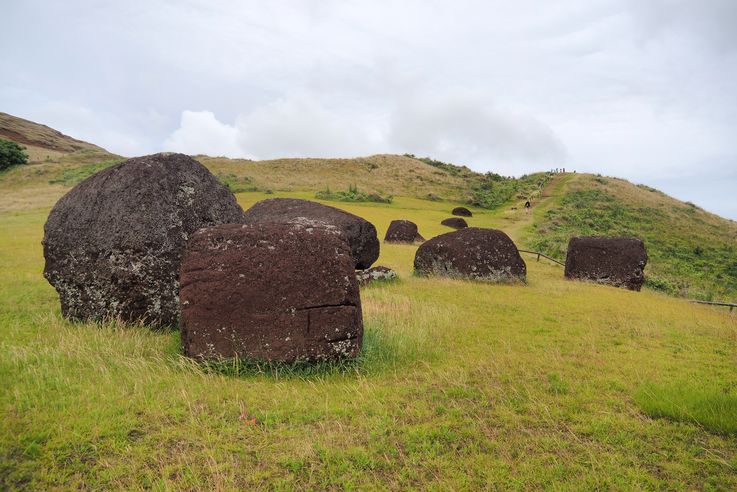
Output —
(383, 174)
(551, 384)
(43, 143)
(692, 252)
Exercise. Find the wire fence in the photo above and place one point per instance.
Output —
(541, 254)
(730, 305)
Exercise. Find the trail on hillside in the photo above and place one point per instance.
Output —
(516, 221)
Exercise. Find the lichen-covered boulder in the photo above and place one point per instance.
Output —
(375, 274)
(276, 292)
(455, 223)
(474, 253)
(617, 261)
(113, 244)
(462, 211)
(358, 232)
(402, 231)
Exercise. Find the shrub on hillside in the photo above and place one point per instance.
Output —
(237, 184)
(73, 175)
(11, 154)
(352, 195)
(445, 166)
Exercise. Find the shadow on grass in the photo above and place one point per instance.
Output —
(708, 406)
(381, 350)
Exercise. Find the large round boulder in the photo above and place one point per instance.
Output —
(402, 231)
(617, 261)
(358, 232)
(276, 292)
(455, 223)
(113, 244)
(474, 253)
(462, 211)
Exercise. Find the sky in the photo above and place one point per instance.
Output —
(643, 90)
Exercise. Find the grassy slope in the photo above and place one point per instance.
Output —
(692, 252)
(461, 385)
(384, 174)
(43, 143)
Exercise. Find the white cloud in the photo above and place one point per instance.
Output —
(200, 132)
(461, 127)
(456, 127)
(300, 126)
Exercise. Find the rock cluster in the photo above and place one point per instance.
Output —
(402, 231)
(269, 291)
(375, 274)
(359, 233)
(617, 261)
(159, 240)
(113, 244)
(474, 253)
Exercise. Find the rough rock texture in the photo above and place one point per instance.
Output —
(402, 231)
(617, 261)
(113, 244)
(455, 223)
(359, 233)
(462, 211)
(278, 292)
(481, 254)
(375, 274)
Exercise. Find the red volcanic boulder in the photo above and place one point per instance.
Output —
(455, 223)
(276, 292)
(359, 233)
(113, 244)
(402, 231)
(462, 211)
(480, 254)
(617, 261)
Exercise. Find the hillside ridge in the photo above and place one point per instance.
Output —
(32, 134)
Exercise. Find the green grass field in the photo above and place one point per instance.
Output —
(461, 385)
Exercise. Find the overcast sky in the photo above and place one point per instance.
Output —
(645, 90)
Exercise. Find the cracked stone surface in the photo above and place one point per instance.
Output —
(359, 233)
(113, 243)
(455, 223)
(277, 292)
(617, 261)
(462, 211)
(402, 231)
(472, 253)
